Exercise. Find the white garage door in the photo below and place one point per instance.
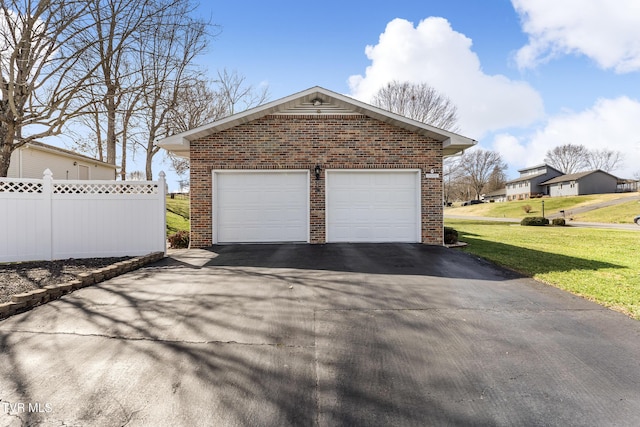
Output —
(261, 206)
(373, 206)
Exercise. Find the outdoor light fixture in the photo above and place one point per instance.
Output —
(317, 171)
(75, 163)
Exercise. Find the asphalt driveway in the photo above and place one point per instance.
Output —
(329, 335)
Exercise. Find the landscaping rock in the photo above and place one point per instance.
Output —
(22, 301)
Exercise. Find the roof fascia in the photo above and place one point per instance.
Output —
(54, 150)
(452, 142)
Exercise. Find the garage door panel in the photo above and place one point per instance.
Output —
(261, 207)
(373, 206)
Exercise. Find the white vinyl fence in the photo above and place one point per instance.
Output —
(47, 219)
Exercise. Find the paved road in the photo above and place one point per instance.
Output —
(628, 227)
(623, 199)
(328, 335)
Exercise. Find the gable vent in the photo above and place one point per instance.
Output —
(316, 106)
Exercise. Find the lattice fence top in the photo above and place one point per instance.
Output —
(102, 188)
(9, 186)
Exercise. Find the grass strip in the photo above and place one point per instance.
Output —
(600, 265)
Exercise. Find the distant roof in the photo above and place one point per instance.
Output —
(311, 101)
(499, 192)
(526, 177)
(574, 177)
(532, 167)
(541, 165)
(51, 148)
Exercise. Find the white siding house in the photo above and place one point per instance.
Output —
(496, 196)
(31, 160)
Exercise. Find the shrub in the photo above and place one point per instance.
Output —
(179, 240)
(559, 221)
(450, 236)
(526, 208)
(534, 220)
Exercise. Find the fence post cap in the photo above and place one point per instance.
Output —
(47, 173)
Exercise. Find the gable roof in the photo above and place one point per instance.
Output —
(541, 165)
(316, 100)
(574, 177)
(526, 178)
(496, 193)
(37, 145)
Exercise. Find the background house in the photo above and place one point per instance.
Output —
(529, 183)
(317, 167)
(496, 196)
(627, 185)
(31, 160)
(577, 184)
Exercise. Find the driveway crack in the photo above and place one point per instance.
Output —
(169, 341)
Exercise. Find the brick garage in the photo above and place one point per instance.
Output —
(316, 166)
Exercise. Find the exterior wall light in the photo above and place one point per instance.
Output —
(317, 171)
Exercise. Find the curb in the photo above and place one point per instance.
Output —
(457, 245)
(26, 301)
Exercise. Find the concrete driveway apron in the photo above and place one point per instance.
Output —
(276, 335)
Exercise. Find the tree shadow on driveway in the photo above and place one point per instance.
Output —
(401, 335)
(400, 259)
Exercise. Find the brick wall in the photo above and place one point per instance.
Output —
(302, 142)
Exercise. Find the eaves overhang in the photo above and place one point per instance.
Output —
(316, 100)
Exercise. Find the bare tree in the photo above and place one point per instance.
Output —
(605, 159)
(568, 158)
(418, 101)
(197, 103)
(478, 166)
(122, 18)
(167, 59)
(136, 176)
(450, 178)
(233, 92)
(201, 102)
(117, 84)
(497, 180)
(40, 45)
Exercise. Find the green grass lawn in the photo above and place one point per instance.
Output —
(619, 214)
(600, 265)
(177, 215)
(552, 205)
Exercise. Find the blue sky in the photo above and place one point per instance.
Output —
(526, 75)
(293, 46)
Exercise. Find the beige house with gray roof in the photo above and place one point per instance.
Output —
(31, 160)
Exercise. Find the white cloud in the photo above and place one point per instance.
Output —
(606, 31)
(435, 54)
(512, 151)
(610, 123)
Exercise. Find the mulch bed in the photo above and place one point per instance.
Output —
(16, 278)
